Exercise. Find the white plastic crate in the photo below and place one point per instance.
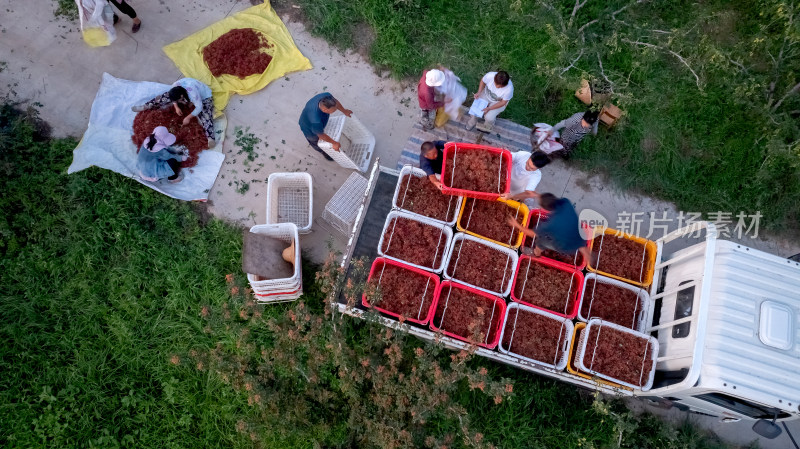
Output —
(562, 354)
(290, 199)
(645, 303)
(342, 209)
(272, 298)
(357, 143)
(510, 262)
(285, 232)
(446, 235)
(586, 365)
(397, 201)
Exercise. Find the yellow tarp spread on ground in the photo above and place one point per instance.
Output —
(187, 54)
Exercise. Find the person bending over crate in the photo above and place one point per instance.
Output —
(525, 176)
(315, 116)
(184, 92)
(560, 232)
(431, 157)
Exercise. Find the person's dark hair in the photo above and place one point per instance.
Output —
(150, 143)
(427, 146)
(501, 78)
(548, 201)
(328, 102)
(177, 93)
(591, 116)
(540, 159)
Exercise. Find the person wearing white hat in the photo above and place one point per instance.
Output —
(426, 94)
(449, 85)
(157, 159)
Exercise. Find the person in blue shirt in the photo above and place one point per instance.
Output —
(315, 116)
(158, 158)
(431, 157)
(560, 232)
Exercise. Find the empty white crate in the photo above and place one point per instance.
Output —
(341, 210)
(286, 287)
(357, 143)
(397, 201)
(290, 199)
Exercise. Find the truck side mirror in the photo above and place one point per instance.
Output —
(767, 428)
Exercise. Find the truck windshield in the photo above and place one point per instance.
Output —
(747, 408)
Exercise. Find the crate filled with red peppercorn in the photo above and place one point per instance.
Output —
(536, 336)
(401, 291)
(622, 256)
(547, 285)
(417, 195)
(476, 171)
(572, 366)
(417, 241)
(489, 220)
(467, 314)
(614, 301)
(618, 354)
(481, 264)
(540, 216)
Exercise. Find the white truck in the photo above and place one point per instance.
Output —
(725, 316)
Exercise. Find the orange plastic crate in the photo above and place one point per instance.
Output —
(572, 368)
(649, 256)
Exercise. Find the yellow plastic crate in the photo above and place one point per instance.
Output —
(571, 361)
(649, 259)
(514, 206)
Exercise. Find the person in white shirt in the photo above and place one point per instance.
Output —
(525, 176)
(497, 89)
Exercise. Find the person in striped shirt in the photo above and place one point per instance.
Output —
(574, 128)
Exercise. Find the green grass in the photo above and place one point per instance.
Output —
(717, 147)
(103, 281)
(104, 293)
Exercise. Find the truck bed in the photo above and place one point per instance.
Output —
(378, 204)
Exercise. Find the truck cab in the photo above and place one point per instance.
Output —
(725, 316)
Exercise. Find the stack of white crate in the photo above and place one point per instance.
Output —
(285, 289)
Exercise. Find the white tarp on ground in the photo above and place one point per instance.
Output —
(107, 141)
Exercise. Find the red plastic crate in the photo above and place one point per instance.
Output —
(577, 284)
(378, 264)
(533, 220)
(496, 322)
(451, 147)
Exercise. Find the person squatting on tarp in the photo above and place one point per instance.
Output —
(525, 176)
(447, 84)
(315, 116)
(158, 159)
(184, 92)
(496, 89)
(574, 129)
(560, 232)
(431, 157)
